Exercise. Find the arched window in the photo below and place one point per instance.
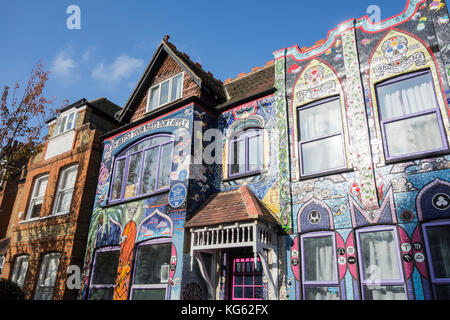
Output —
(246, 155)
(142, 169)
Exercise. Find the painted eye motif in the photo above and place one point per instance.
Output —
(390, 50)
(400, 46)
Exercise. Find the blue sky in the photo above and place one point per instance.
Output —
(117, 39)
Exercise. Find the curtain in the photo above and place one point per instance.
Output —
(150, 168)
(320, 121)
(319, 259)
(407, 97)
(149, 261)
(385, 293)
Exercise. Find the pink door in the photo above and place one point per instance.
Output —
(247, 280)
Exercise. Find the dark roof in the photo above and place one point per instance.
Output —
(102, 105)
(230, 207)
(249, 85)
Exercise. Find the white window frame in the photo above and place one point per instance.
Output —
(17, 274)
(2, 262)
(170, 98)
(61, 191)
(58, 129)
(43, 272)
(34, 198)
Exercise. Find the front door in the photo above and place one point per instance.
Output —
(246, 279)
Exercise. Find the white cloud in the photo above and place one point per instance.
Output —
(121, 68)
(63, 65)
(87, 54)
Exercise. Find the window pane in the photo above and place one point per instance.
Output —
(51, 270)
(62, 124)
(164, 97)
(149, 294)
(238, 292)
(413, 135)
(239, 280)
(319, 259)
(165, 166)
(105, 267)
(384, 293)
(36, 208)
(406, 97)
(379, 255)
(255, 153)
(258, 292)
(45, 293)
(146, 144)
(118, 179)
(248, 292)
(238, 156)
(442, 292)
(176, 87)
(102, 294)
(321, 293)
(70, 121)
(150, 260)
(69, 177)
(322, 155)
(249, 280)
(150, 167)
(20, 270)
(320, 121)
(153, 98)
(439, 239)
(41, 187)
(134, 172)
(64, 200)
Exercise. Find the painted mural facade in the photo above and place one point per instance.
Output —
(373, 190)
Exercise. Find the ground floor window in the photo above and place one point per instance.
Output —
(380, 264)
(437, 241)
(20, 270)
(320, 279)
(151, 270)
(247, 281)
(104, 272)
(47, 276)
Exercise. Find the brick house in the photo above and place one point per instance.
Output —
(51, 214)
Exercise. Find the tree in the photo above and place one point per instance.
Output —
(23, 121)
(10, 290)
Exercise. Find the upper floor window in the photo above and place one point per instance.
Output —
(65, 190)
(65, 123)
(20, 270)
(321, 137)
(411, 122)
(143, 169)
(2, 262)
(320, 278)
(37, 197)
(104, 273)
(246, 153)
(437, 240)
(165, 92)
(380, 264)
(47, 277)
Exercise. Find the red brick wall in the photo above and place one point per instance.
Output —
(169, 68)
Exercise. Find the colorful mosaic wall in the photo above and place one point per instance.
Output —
(373, 190)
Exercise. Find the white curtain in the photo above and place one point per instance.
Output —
(320, 121)
(319, 256)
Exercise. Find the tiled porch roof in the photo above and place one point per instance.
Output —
(230, 207)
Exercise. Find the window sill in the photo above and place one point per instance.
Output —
(325, 174)
(120, 202)
(61, 134)
(44, 218)
(426, 155)
(244, 175)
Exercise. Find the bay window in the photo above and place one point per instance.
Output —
(380, 264)
(321, 137)
(410, 118)
(143, 169)
(151, 270)
(437, 242)
(165, 92)
(320, 275)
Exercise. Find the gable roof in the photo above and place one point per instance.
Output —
(205, 80)
(230, 207)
